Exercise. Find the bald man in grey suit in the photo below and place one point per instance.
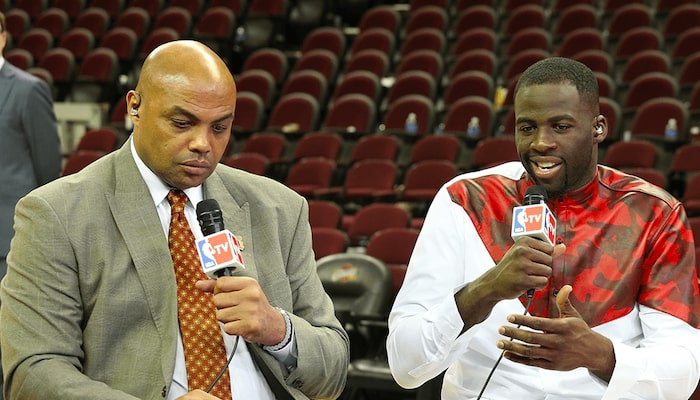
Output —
(89, 303)
(30, 152)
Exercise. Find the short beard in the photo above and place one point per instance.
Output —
(563, 188)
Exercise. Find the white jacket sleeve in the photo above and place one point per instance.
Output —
(424, 324)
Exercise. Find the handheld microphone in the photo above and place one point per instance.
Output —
(219, 250)
(534, 218)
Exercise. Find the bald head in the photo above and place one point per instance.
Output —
(183, 62)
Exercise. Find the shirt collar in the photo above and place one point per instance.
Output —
(156, 187)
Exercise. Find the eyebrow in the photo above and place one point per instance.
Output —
(555, 118)
(190, 115)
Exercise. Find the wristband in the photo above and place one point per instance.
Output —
(287, 334)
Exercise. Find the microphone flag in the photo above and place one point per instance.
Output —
(536, 221)
(218, 251)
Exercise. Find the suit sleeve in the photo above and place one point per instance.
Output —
(322, 344)
(39, 123)
(41, 313)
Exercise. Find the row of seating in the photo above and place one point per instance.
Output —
(356, 113)
(324, 165)
(279, 152)
(183, 13)
(421, 70)
(309, 78)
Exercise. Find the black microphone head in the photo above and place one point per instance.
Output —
(209, 215)
(535, 195)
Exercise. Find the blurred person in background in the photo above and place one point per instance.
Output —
(30, 150)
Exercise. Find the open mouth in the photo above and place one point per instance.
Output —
(545, 169)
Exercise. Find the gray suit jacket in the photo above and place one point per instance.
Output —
(89, 301)
(30, 152)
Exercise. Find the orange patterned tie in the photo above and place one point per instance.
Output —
(205, 354)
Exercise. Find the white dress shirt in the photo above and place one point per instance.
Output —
(247, 382)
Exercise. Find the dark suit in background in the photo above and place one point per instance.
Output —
(30, 152)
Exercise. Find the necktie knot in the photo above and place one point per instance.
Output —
(178, 200)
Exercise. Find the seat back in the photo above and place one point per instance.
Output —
(358, 82)
(297, 110)
(307, 81)
(254, 163)
(260, 82)
(269, 144)
(652, 116)
(99, 139)
(318, 144)
(423, 179)
(435, 148)
(324, 214)
(632, 154)
(325, 37)
(80, 160)
(394, 247)
(271, 60)
(460, 113)
(380, 16)
(374, 217)
(352, 112)
(398, 111)
(356, 283)
(369, 147)
(327, 241)
(494, 150)
(309, 174)
(250, 112)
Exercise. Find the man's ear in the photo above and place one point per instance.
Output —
(600, 129)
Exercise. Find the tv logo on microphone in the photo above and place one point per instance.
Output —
(218, 251)
(536, 221)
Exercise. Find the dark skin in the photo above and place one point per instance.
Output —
(557, 141)
(551, 347)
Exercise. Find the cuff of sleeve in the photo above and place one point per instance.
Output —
(289, 331)
(627, 370)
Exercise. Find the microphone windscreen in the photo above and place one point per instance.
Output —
(535, 195)
(209, 215)
(208, 205)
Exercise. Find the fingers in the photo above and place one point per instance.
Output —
(531, 261)
(566, 309)
(198, 395)
(559, 249)
(527, 264)
(243, 308)
(523, 351)
(206, 285)
(225, 284)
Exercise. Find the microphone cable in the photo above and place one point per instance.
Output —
(530, 294)
(223, 370)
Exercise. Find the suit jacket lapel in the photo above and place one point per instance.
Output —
(237, 219)
(137, 219)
